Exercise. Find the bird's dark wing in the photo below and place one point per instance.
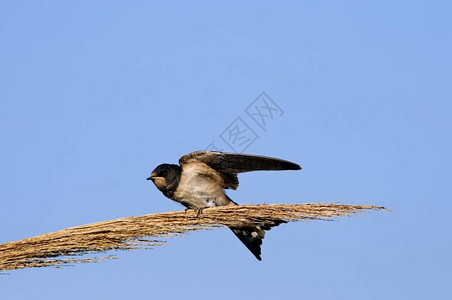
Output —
(228, 165)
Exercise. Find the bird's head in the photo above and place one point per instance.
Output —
(166, 177)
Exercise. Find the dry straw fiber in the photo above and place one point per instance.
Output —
(53, 249)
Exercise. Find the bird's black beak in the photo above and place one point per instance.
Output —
(150, 178)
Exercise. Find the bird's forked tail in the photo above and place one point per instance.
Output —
(252, 235)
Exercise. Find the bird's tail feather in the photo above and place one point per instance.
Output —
(250, 238)
(252, 235)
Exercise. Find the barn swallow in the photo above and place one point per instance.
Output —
(199, 181)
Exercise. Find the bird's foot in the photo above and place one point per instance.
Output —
(198, 211)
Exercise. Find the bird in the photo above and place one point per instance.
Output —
(200, 180)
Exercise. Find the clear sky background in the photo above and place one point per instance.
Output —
(94, 95)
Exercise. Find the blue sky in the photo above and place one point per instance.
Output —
(94, 95)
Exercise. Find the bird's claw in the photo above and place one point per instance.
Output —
(197, 210)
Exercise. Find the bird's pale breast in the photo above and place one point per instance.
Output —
(200, 187)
